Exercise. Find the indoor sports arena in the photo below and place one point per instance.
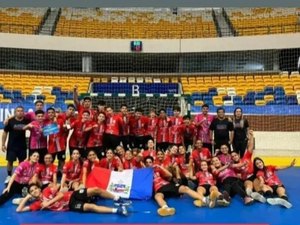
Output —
(149, 115)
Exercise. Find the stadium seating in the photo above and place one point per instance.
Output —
(262, 21)
(52, 89)
(21, 20)
(128, 24)
(257, 90)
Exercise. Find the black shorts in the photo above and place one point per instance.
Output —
(251, 178)
(12, 155)
(275, 187)
(78, 199)
(207, 188)
(169, 190)
(60, 155)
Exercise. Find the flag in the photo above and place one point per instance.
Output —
(133, 183)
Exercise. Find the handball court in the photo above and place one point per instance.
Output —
(145, 211)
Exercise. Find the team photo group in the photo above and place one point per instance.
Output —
(206, 157)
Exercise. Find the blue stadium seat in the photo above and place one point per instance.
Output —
(271, 103)
(238, 100)
(30, 98)
(259, 95)
(226, 98)
(292, 100)
(268, 90)
(8, 95)
(279, 97)
(280, 101)
(41, 97)
(17, 94)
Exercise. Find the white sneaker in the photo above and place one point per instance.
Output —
(17, 201)
(279, 201)
(258, 197)
(7, 179)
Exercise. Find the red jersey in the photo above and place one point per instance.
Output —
(132, 164)
(269, 176)
(152, 127)
(57, 142)
(158, 180)
(45, 174)
(79, 137)
(189, 132)
(125, 124)
(181, 162)
(81, 109)
(151, 153)
(205, 178)
(72, 170)
(114, 125)
(170, 159)
(176, 130)
(113, 165)
(163, 126)
(247, 170)
(89, 165)
(198, 156)
(95, 138)
(138, 127)
(47, 195)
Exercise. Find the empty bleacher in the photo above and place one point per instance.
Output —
(21, 20)
(52, 89)
(259, 90)
(263, 21)
(139, 23)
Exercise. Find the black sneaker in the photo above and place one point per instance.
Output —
(122, 201)
(122, 210)
(226, 196)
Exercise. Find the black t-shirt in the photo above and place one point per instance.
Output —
(240, 127)
(221, 128)
(16, 138)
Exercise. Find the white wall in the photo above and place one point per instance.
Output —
(278, 41)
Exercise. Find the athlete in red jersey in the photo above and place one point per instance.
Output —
(150, 151)
(189, 132)
(207, 186)
(125, 131)
(270, 182)
(79, 137)
(88, 165)
(164, 189)
(95, 139)
(162, 135)
(78, 201)
(176, 127)
(131, 162)
(71, 172)
(138, 129)
(111, 162)
(85, 106)
(113, 129)
(45, 174)
(244, 168)
(151, 126)
(199, 154)
(229, 180)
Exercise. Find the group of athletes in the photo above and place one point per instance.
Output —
(209, 158)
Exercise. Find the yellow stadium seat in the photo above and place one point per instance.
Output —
(218, 102)
(198, 103)
(5, 100)
(260, 102)
(269, 98)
